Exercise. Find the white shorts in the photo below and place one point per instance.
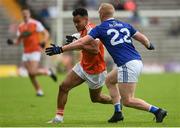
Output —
(34, 56)
(130, 71)
(94, 81)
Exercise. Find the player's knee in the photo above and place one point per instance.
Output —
(127, 102)
(95, 99)
(32, 72)
(109, 82)
(63, 88)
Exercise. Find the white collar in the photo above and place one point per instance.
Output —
(110, 18)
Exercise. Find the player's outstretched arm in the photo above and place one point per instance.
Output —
(76, 45)
(144, 40)
(90, 47)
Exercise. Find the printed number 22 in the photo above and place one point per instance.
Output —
(114, 40)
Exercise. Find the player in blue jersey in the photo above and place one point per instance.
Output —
(117, 37)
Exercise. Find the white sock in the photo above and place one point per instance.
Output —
(40, 92)
(59, 117)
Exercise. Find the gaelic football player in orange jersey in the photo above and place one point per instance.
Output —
(28, 33)
(91, 68)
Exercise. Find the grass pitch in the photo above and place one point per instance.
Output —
(20, 107)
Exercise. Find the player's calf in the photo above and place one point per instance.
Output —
(104, 99)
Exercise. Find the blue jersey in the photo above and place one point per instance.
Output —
(116, 36)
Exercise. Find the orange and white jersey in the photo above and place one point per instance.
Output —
(92, 63)
(30, 35)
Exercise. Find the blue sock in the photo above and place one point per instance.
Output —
(153, 109)
(117, 107)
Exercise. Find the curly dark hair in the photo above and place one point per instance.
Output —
(80, 11)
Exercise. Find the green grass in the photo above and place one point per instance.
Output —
(20, 107)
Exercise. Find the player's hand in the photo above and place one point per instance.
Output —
(70, 39)
(10, 42)
(53, 50)
(151, 47)
(42, 45)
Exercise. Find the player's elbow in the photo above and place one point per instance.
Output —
(92, 48)
(93, 51)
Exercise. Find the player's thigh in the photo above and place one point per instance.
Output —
(33, 66)
(72, 80)
(111, 77)
(27, 65)
(127, 90)
(95, 93)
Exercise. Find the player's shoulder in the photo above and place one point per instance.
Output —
(126, 24)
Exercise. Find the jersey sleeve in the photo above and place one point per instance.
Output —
(40, 27)
(132, 30)
(94, 33)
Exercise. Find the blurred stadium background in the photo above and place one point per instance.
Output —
(158, 19)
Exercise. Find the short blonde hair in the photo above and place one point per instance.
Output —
(106, 9)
